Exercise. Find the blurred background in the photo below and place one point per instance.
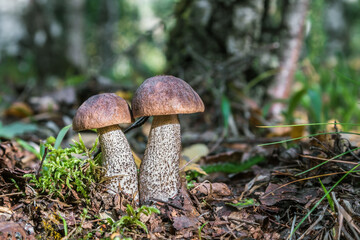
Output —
(253, 62)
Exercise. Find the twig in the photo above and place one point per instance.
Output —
(355, 229)
(10, 194)
(314, 224)
(168, 203)
(293, 226)
(42, 161)
(330, 160)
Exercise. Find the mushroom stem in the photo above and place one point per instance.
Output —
(118, 161)
(159, 170)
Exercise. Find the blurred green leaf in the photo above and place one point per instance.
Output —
(244, 203)
(226, 111)
(315, 107)
(61, 136)
(28, 147)
(16, 129)
(228, 167)
(295, 100)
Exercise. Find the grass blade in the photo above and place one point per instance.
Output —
(331, 202)
(308, 124)
(319, 165)
(318, 203)
(311, 135)
(61, 136)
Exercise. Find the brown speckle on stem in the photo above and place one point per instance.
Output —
(118, 160)
(159, 170)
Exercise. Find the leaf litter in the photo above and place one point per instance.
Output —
(266, 201)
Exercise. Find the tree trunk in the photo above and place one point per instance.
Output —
(222, 47)
(75, 33)
(290, 48)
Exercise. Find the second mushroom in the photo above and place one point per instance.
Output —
(163, 97)
(104, 112)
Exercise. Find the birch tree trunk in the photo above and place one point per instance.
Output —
(75, 22)
(290, 48)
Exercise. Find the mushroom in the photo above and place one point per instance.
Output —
(163, 97)
(104, 112)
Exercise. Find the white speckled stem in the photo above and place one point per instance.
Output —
(159, 170)
(118, 160)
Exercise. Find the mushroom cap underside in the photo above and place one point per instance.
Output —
(165, 95)
(102, 110)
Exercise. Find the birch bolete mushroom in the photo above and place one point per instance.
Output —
(104, 112)
(163, 97)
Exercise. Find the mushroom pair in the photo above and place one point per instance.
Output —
(162, 97)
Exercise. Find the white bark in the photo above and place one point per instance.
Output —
(291, 47)
(75, 51)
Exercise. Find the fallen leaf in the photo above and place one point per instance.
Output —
(274, 194)
(195, 152)
(16, 129)
(184, 222)
(190, 166)
(11, 230)
(244, 203)
(137, 159)
(229, 156)
(216, 189)
(19, 109)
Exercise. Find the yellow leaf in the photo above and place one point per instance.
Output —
(330, 127)
(195, 152)
(190, 166)
(137, 159)
(125, 95)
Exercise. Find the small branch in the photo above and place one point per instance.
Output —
(168, 203)
(42, 161)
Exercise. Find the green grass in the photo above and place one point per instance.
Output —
(132, 219)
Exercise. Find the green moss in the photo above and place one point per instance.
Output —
(67, 169)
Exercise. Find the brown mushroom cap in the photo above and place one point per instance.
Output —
(100, 111)
(165, 95)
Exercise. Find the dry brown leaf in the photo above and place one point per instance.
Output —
(216, 189)
(19, 109)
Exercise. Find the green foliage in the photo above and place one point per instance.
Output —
(331, 202)
(244, 203)
(321, 199)
(65, 224)
(191, 177)
(61, 136)
(64, 170)
(200, 229)
(327, 85)
(132, 219)
(15, 129)
(233, 167)
(226, 112)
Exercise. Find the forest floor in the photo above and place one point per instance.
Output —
(248, 191)
(267, 201)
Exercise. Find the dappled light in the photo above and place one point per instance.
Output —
(179, 119)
